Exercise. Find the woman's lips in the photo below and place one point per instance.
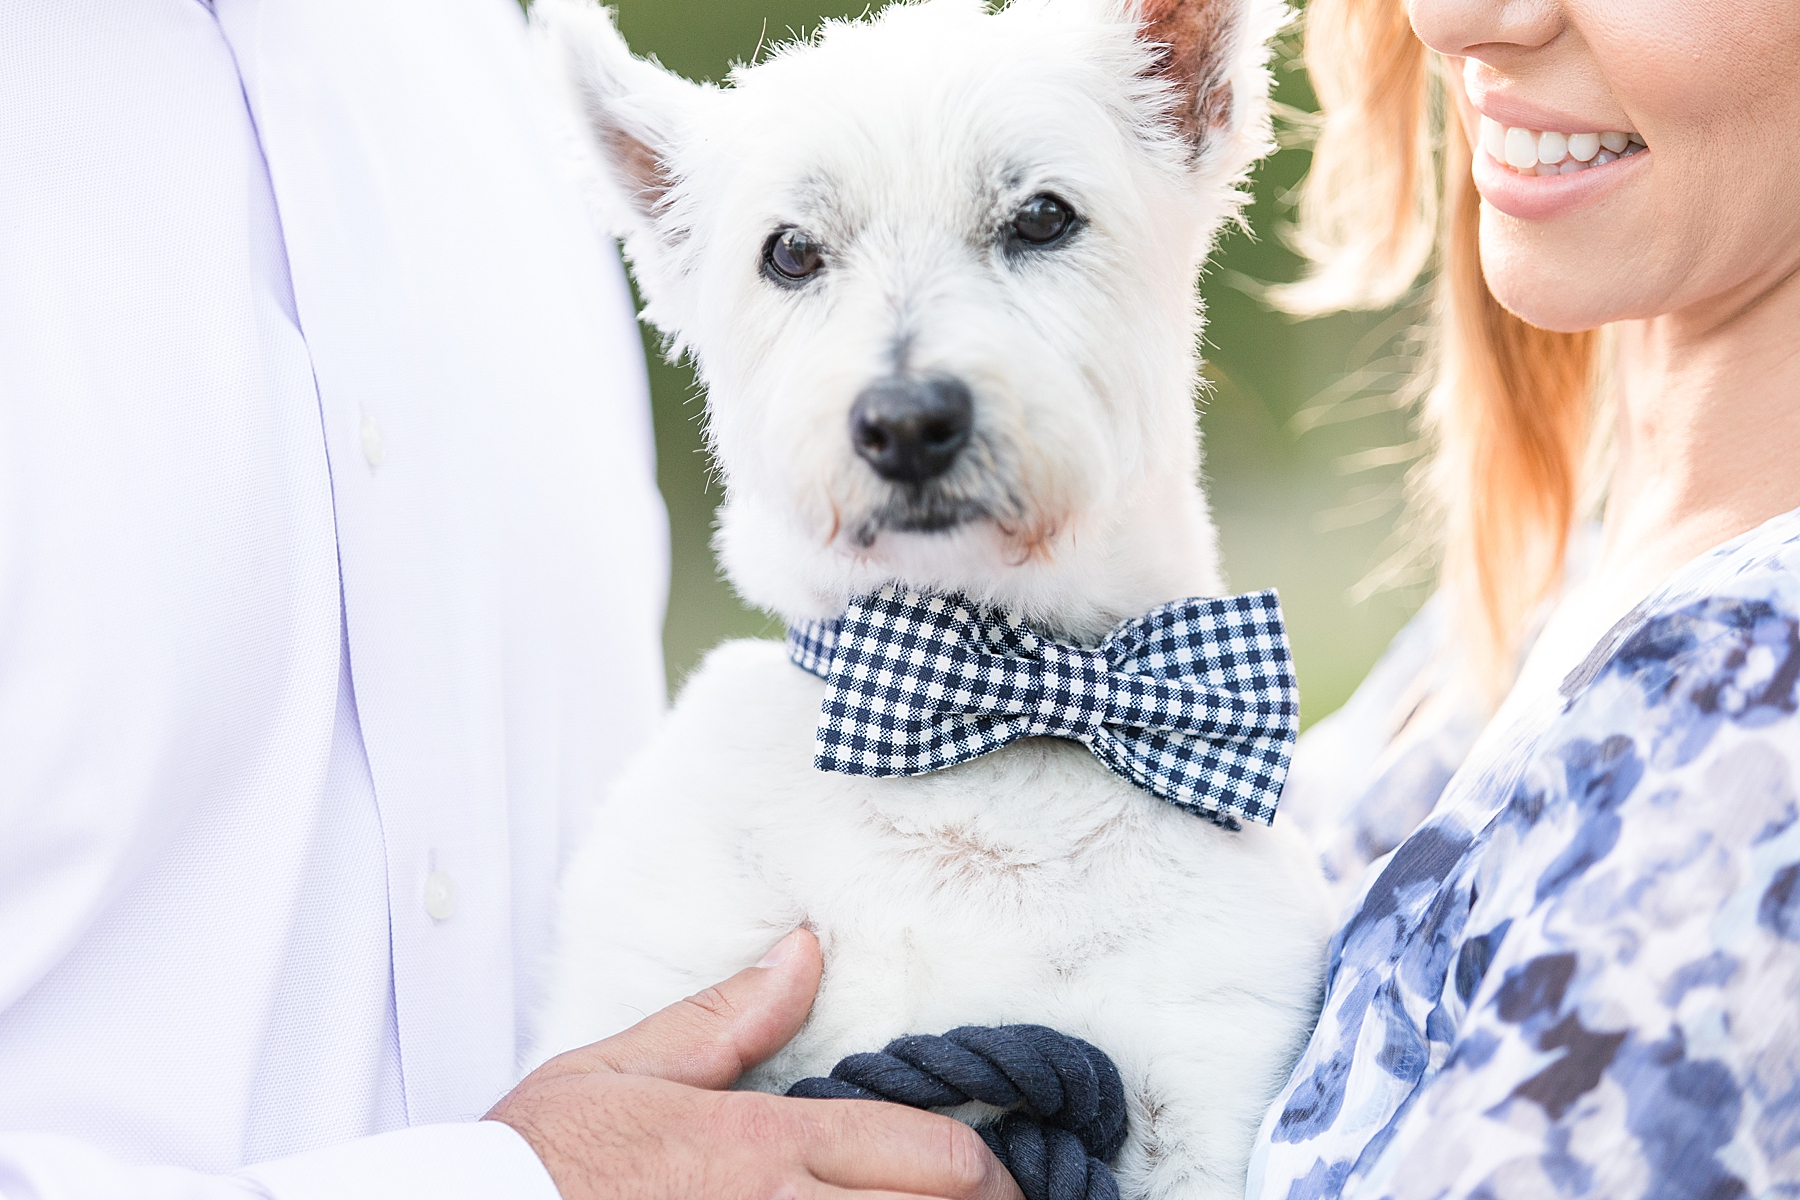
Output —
(1541, 197)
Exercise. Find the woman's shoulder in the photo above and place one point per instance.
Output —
(1676, 739)
(1674, 756)
(1718, 647)
(1368, 775)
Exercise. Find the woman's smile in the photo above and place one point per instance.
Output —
(1546, 152)
(1565, 170)
(1534, 162)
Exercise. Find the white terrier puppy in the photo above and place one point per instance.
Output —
(937, 271)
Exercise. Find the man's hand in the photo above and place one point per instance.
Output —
(640, 1116)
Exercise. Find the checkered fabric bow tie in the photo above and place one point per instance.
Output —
(1194, 702)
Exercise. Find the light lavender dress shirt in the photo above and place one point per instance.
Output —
(331, 576)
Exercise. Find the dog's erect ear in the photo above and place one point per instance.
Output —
(1196, 42)
(633, 109)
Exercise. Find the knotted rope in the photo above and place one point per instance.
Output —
(1066, 1101)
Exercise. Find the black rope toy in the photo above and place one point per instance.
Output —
(1066, 1101)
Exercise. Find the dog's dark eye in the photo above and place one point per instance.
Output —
(1043, 219)
(792, 254)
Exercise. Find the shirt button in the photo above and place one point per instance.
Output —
(440, 895)
(371, 442)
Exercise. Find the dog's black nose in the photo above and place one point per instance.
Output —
(910, 430)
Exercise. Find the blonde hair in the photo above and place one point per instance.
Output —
(1510, 410)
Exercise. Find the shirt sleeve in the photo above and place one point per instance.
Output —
(479, 1160)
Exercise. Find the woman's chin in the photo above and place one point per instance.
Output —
(1532, 310)
(1542, 288)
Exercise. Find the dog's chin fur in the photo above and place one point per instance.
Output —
(1032, 884)
(1073, 574)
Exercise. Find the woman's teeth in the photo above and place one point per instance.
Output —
(1546, 152)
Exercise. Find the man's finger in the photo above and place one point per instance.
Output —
(865, 1144)
(711, 1038)
(824, 1191)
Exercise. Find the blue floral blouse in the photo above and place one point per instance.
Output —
(1577, 973)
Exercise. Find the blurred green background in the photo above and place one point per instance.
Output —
(1304, 444)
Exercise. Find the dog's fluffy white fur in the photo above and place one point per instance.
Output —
(1031, 885)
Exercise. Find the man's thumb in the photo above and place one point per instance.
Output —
(711, 1038)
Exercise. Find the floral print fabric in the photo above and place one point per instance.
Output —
(1580, 974)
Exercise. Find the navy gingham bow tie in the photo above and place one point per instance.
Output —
(1194, 702)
